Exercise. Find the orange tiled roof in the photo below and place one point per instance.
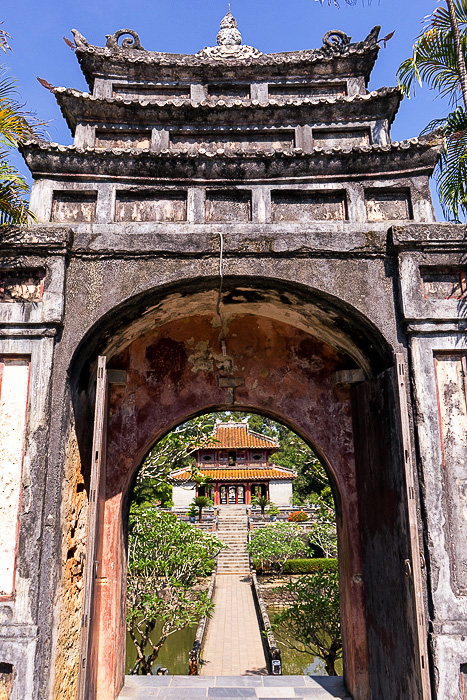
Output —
(238, 435)
(239, 474)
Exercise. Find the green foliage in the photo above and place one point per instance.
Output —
(322, 531)
(201, 502)
(433, 59)
(434, 63)
(273, 509)
(274, 544)
(312, 616)
(176, 450)
(166, 558)
(13, 128)
(262, 502)
(152, 493)
(301, 566)
(192, 511)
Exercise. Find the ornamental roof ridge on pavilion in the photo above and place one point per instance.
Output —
(118, 58)
(245, 438)
(273, 472)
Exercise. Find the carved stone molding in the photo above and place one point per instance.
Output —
(130, 42)
(235, 52)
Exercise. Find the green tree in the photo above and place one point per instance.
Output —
(275, 544)
(323, 532)
(438, 60)
(166, 559)
(14, 127)
(311, 616)
(175, 451)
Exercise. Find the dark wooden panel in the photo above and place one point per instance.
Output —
(88, 652)
(385, 532)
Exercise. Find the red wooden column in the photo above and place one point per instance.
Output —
(217, 499)
(248, 493)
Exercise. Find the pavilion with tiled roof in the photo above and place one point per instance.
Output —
(237, 463)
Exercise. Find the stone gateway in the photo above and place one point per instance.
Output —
(233, 230)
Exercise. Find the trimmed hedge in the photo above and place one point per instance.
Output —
(302, 566)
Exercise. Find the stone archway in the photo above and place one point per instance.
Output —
(295, 364)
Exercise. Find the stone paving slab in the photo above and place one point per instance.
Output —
(233, 644)
(233, 688)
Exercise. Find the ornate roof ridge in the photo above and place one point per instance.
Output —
(233, 473)
(213, 103)
(244, 432)
(336, 44)
(434, 138)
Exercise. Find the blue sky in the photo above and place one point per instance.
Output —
(185, 26)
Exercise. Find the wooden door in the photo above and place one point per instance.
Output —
(88, 652)
(397, 634)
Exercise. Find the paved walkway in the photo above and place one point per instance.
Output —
(233, 644)
(233, 688)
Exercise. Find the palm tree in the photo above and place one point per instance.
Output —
(14, 126)
(201, 502)
(438, 60)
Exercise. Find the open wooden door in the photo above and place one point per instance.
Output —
(88, 660)
(397, 634)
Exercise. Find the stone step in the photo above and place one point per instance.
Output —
(257, 687)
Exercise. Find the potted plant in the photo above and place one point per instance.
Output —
(192, 512)
(273, 512)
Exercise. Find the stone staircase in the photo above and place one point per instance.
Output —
(232, 529)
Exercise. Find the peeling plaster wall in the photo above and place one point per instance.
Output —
(13, 404)
(69, 595)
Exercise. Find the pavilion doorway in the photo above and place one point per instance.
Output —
(232, 494)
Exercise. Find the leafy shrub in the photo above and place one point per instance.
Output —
(311, 615)
(297, 516)
(276, 543)
(301, 566)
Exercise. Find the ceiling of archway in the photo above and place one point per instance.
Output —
(313, 316)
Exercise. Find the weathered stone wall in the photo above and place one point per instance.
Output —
(69, 596)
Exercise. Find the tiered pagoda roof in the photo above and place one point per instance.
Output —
(230, 115)
(337, 56)
(237, 435)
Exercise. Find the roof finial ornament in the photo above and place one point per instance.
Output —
(229, 34)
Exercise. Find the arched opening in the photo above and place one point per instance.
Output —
(187, 465)
(288, 353)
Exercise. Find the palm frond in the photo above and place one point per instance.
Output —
(451, 171)
(4, 36)
(433, 62)
(440, 18)
(14, 208)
